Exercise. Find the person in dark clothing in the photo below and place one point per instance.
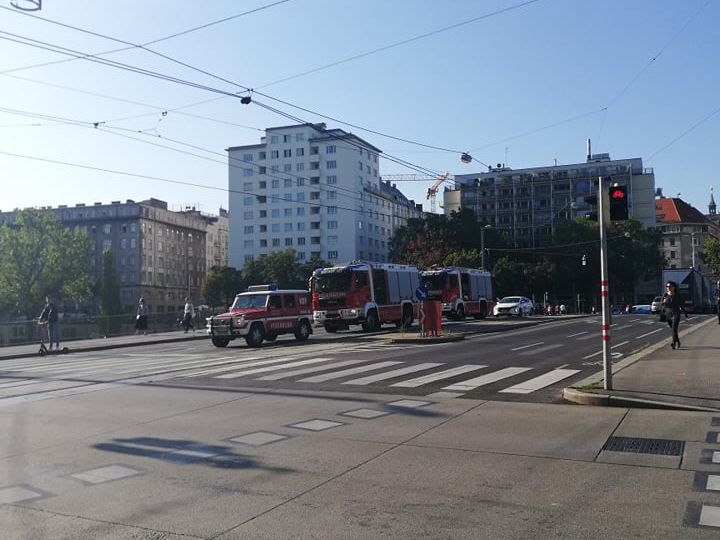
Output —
(672, 307)
(717, 299)
(49, 316)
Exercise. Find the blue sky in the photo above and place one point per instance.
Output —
(490, 87)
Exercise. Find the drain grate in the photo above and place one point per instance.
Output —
(637, 445)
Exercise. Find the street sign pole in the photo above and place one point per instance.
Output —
(604, 289)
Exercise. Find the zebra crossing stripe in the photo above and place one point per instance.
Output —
(237, 365)
(471, 384)
(542, 381)
(392, 374)
(346, 372)
(425, 379)
(314, 369)
(243, 373)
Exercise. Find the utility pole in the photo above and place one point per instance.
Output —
(603, 201)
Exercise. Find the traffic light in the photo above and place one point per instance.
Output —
(592, 202)
(618, 203)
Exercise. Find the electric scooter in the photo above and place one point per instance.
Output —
(45, 331)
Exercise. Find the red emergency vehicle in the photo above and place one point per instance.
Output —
(461, 291)
(364, 293)
(262, 314)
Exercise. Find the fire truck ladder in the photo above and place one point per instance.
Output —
(431, 192)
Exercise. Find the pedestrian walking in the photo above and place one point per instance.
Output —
(717, 299)
(188, 314)
(49, 316)
(141, 317)
(672, 306)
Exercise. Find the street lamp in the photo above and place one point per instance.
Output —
(482, 245)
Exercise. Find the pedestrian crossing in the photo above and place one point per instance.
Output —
(311, 368)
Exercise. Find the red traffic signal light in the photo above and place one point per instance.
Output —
(618, 203)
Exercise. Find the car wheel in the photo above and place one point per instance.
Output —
(220, 341)
(255, 335)
(303, 331)
(520, 313)
(460, 314)
(372, 322)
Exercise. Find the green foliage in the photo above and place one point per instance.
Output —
(468, 258)
(280, 267)
(711, 254)
(109, 289)
(221, 286)
(38, 258)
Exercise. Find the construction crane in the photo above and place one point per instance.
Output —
(431, 192)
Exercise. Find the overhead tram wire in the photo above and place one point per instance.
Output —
(690, 129)
(135, 69)
(344, 192)
(132, 46)
(247, 89)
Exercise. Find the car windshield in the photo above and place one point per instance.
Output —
(333, 281)
(435, 280)
(244, 301)
(510, 300)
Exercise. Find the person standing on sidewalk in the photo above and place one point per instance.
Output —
(717, 299)
(672, 307)
(141, 317)
(188, 314)
(49, 315)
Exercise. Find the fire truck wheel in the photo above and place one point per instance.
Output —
(483, 312)
(220, 342)
(407, 319)
(460, 314)
(255, 336)
(303, 331)
(372, 322)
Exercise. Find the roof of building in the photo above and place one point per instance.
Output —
(674, 210)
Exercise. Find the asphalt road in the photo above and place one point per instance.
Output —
(500, 359)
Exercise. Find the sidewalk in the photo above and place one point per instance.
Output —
(660, 377)
(98, 344)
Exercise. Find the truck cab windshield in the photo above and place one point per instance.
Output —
(333, 282)
(435, 281)
(244, 301)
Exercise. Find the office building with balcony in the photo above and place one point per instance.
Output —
(315, 190)
(528, 204)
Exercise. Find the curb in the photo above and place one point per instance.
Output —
(429, 340)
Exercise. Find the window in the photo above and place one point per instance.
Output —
(332, 209)
(287, 153)
(672, 241)
(314, 195)
(300, 255)
(263, 213)
(301, 241)
(248, 214)
(247, 186)
(262, 155)
(107, 244)
(276, 242)
(263, 228)
(315, 225)
(299, 137)
(673, 255)
(300, 211)
(262, 170)
(360, 165)
(332, 179)
(300, 197)
(330, 149)
(262, 199)
(273, 139)
(262, 184)
(248, 244)
(287, 138)
(133, 243)
(263, 243)
(287, 182)
(247, 201)
(248, 258)
(274, 154)
(287, 212)
(314, 210)
(247, 172)
(300, 226)
(332, 224)
(314, 180)
(299, 167)
(287, 167)
(314, 166)
(313, 150)
(275, 227)
(248, 229)
(332, 240)
(107, 228)
(315, 240)
(332, 164)
(332, 194)
(123, 243)
(300, 182)
(287, 227)
(275, 212)
(288, 242)
(332, 255)
(299, 152)
(275, 183)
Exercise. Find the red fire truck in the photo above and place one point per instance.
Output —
(461, 291)
(364, 293)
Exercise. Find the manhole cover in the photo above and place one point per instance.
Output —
(637, 445)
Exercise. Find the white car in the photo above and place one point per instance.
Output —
(513, 305)
(656, 305)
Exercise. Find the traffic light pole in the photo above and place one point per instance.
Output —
(604, 289)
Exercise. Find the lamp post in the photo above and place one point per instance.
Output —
(482, 245)
(692, 245)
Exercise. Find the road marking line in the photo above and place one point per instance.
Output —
(526, 346)
(578, 334)
(650, 333)
(542, 349)
(346, 372)
(600, 352)
(236, 374)
(392, 374)
(471, 384)
(542, 381)
(425, 379)
(314, 369)
(237, 365)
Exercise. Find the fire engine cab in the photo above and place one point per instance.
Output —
(262, 314)
(461, 291)
(364, 293)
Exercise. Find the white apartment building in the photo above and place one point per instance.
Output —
(315, 190)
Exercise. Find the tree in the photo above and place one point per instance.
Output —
(109, 289)
(277, 267)
(305, 270)
(38, 258)
(469, 258)
(221, 285)
(711, 255)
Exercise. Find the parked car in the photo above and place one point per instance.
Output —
(642, 309)
(656, 304)
(513, 305)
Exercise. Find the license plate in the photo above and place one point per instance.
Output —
(221, 331)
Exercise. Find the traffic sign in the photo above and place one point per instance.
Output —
(421, 293)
